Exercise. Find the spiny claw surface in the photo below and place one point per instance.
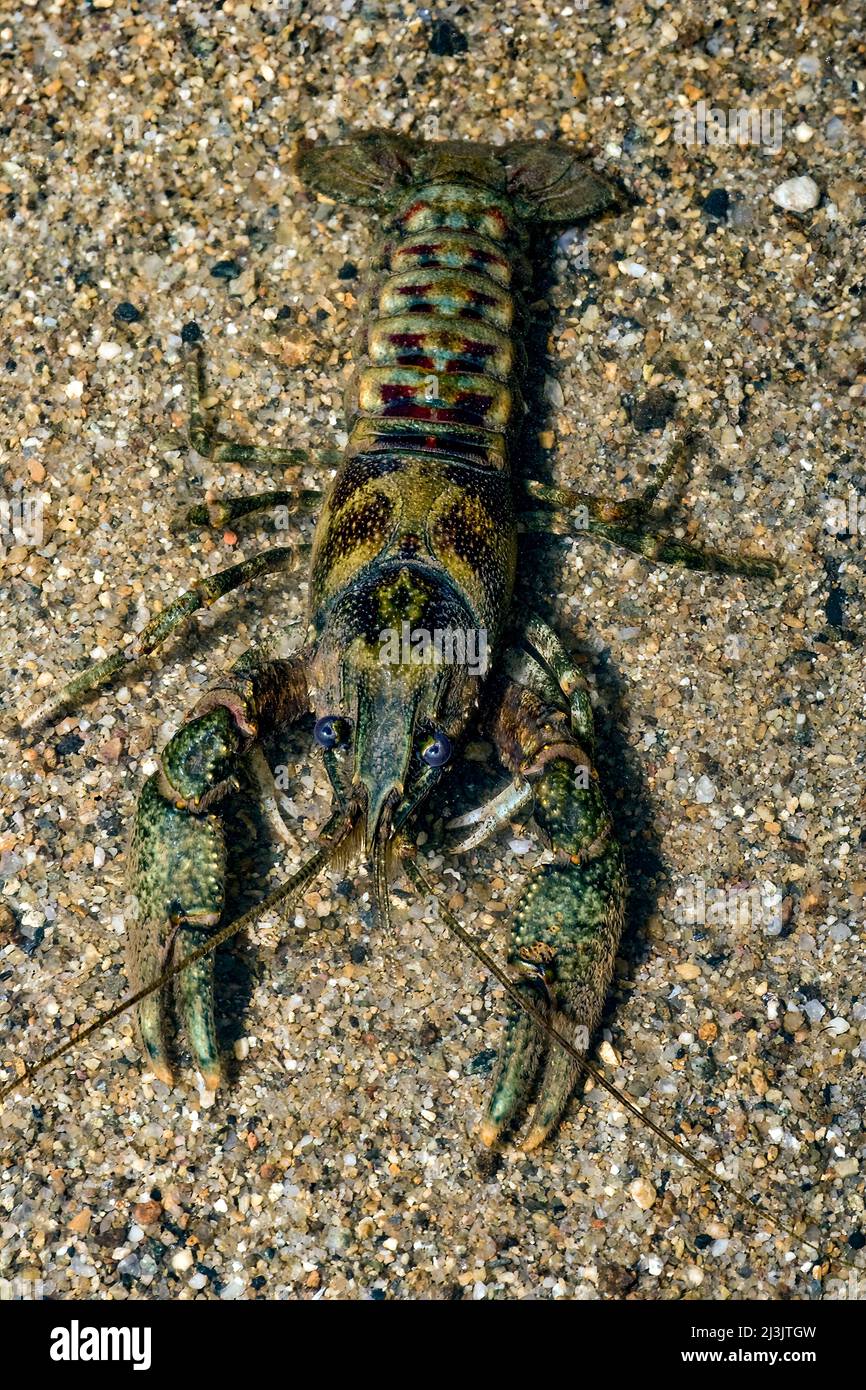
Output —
(178, 869)
(564, 938)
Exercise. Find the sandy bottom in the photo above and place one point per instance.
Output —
(141, 151)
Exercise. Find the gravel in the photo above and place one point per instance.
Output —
(148, 147)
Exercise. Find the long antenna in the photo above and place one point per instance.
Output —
(471, 942)
(299, 880)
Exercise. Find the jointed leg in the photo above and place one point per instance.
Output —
(550, 673)
(629, 522)
(228, 510)
(569, 677)
(207, 442)
(490, 817)
(202, 595)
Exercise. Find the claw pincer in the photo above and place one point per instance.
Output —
(179, 869)
(568, 919)
(178, 855)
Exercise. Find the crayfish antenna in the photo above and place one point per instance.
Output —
(553, 1031)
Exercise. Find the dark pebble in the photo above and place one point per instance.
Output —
(31, 946)
(358, 954)
(834, 607)
(428, 1033)
(716, 205)
(702, 1241)
(653, 410)
(857, 1240)
(70, 743)
(11, 364)
(482, 1063)
(190, 333)
(127, 313)
(446, 39)
(348, 271)
(225, 270)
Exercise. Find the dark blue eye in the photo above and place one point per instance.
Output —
(331, 731)
(437, 750)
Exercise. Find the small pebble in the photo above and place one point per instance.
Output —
(689, 970)
(643, 1192)
(705, 791)
(446, 40)
(125, 312)
(233, 1289)
(797, 195)
(716, 205)
(225, 270)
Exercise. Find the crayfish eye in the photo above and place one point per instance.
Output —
(331, 731)
(437, 750)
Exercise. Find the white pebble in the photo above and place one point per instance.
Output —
(797, 195)
(108, 351)
(803, 133)
(233, 1289)
(181, 1261)
(520, 846)
(705, 791)
(74, 388)
(633, 268)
